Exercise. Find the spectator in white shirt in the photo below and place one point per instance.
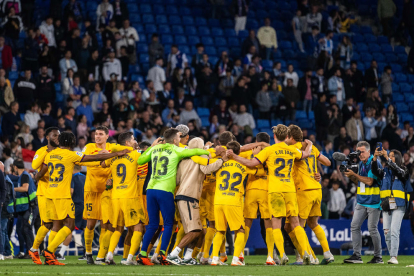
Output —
(314, 18)
(67, 63)
(32, 116)
(130, 37)
(176, 59)
(336, 87)
(120, 95)
(189, 114)
(112, 66)
(337, 203)
(297, 29)
(291, 74)
(76, 91)
(157, 75)
(267, 37)
(244, 119)
(48, 30)
(104, 13)
(97, 98)
(326, 43)
(147, 92)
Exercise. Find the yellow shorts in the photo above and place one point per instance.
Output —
(106, 207)
(203, 210)
(92, 208)
(283, 205)
(309, 203)
(60, 208)
(127, 211)
(208, 211)
(144, 201)
(256, 199)
(41, 202)
(233, 215)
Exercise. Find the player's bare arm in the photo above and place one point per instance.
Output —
(307, 152)
(104, 156)
(41, 173)
(246, 162)
(324, 160)
(251, 146)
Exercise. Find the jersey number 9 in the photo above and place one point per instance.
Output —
(121, 172)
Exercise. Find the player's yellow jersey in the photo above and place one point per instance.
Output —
(305, 169)
(183, 146)
(37, 163)
(96, 176)
(124, 175)
(142, 172)
(279, 159)
(60, 163)
(257, 182)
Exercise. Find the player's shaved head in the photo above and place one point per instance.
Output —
(225, 138)
(263, 137)
(67, 140)
(295, 133)
(170, 135)
(235, 146)
(281, 132)
(124, 137)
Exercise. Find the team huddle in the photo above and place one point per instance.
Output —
(183, 183)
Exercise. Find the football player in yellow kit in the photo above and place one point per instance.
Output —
(282, 193)
(52, 135)
(308, 192)
(228, 204)
(59, 163)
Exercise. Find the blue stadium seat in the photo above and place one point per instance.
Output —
(145, 8)
(214, 23)
(409, 98)
(252, 24)
(381, 66)
(161, 19)
(366, 30)
(397, 97)
(402, 58)
(400, 50)
(405, 87)
(203, 112)
(243, 34)
(135, 18)
(383, 40)
(230, 33)
(142, 48)
(171, 9)
(216, 31)
(166, 39)
(396, 68)
(211, 51)
(391, 57)
(143, 58)
(374, 48)
(184, 11)
(147, 19)
(370, 38)
(276, 122)
(58, 86)
(233, 42)
(13, 75)
(300, 114)
(262, 124)
(354, 29)
(190, 30)
(366, 57)
(378, 56)
(197, 12)
(395, 87)
(305, 124)
(150, 28)
(177, 30)
(386, 48)
(311, 115)
(361, 47)
(199, 21)
(220, 41)
(357, 38)
(193, 40)
(407, 117)
(164, 29)
(180, 40)
(132, 8)
(205, 122)
(187, 20)
(402, 107)
(411, 78)
(159, 9)
(261, 14)
(285, 45)
(399, 77)
(267, 63)
(206, 40)
(174, 20)
(204, 31)
(213, 60)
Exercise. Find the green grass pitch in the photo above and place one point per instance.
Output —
(254, 266)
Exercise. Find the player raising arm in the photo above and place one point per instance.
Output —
(59, 163)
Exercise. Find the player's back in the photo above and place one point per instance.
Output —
(279, 159)
(37, 163)
(255, 182)
(124, 175)
(60, 164)
(305, 169)
(229, 184)
(96, 176)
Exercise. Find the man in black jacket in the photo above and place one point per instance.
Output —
(24, 90)
(10, 121)
(250, 41)
(321, 115)
(45, 87)
(372, 75)
(308, 89)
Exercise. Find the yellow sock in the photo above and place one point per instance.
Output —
(239, 244)
(135, 242)
(88, 240)
(270, 242)
(208, 240)
(223, 246)
(195, 252)
(126, 251)
(114, 241)
(302, 239)
(218, 240)
(295, 242)
(278, 238)
(104, 246)
(101, 235)
(59, 238)
(246, 234)
(150, 246)
(52, 236)
(40, 236)
(157, 250)
(179, 237)
(320, 234)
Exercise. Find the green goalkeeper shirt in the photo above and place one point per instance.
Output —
(165, 159)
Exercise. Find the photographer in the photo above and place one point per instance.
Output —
(368, 205)
(394, 189)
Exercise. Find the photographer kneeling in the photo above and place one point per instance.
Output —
(368, 205)
(394, 196)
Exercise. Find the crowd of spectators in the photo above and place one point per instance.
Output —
(97, 89)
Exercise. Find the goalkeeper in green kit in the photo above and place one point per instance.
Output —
(160, 191)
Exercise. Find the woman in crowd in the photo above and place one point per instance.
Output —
(394, 189)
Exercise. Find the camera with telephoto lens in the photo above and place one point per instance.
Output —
(351, 162)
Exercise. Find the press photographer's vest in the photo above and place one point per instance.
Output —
(23, 199)
(399, 190)
(371, 195)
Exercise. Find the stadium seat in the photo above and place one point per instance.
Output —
(142, 48)
(205, 122)
(211, 51)
(400, 50)
(150, 28)
(188, 21)
(193, 40)
(206, 40)
(409, 98)
(366, 30)
(402, 107)
(143, 58)
(405, 87)
(361, 47)
(391, 57)
(161, 19)
(220, 41)
(216, 32)
(374, 47)
(382, 40)
(213, 60)
(177, 30)
(396, 68)
(147, 19)
(145, 8)
(262, 124)
(357, 38)
(159, 9)
(204, 31)
(378, 56)
(233, 42)
(214, 22)
(164, 29)
(190, 30)
(407, 117)
(285, 45)
(171, 9)
(395, 87)
(370, 38)
(386, 48)
(174, 19)
(13, 75)
(180, 40)
(166, 39)
(366, 57)
(184, 11)
(203, 112)
(199, 21)
(397, 97)
(243, 34)
(230, 33)
(300, 114)
(411, 78)
(399, 77)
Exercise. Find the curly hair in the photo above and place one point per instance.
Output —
(67, 139)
